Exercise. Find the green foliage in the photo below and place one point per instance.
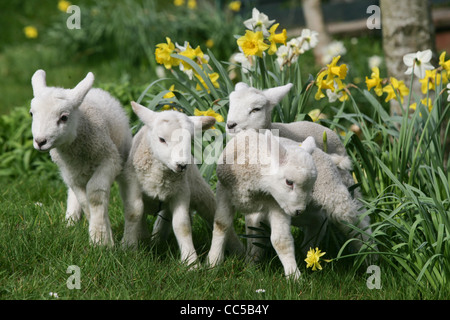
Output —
(17, 155)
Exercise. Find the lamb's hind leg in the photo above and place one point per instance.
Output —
(223, 228)
(135, 228)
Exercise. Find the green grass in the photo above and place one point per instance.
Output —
(37, 248)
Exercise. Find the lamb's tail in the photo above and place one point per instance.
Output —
(342, 162)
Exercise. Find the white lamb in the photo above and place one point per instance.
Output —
(161, 163)
(258, 174)
(88, 135)
(251, 108)
(329, 197)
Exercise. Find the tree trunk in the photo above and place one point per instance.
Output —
(407, 27)
(312, 11)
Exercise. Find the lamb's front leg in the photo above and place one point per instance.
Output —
(182, 229)
(73, 212)
(283, 242)
(97, 191)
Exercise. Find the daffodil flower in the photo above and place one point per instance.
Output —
(163, 52)
(375, 81)
(211, 113)
(431, 79)
(212, 76)
(313, 259)
(63, 5)
(235, 6)
(30, 32)
(309, 39)
(252, 43)
(426, 102)
(444, 64)
(395, 86)
(258, 22)
(275, 38)
(419, 61)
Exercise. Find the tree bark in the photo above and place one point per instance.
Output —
(312, 11)
(407, 27)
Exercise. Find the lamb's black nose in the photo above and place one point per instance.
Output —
(181, 167)
(41, 142)
(231, 125)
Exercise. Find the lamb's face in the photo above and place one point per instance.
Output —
(170, 139)
(170, 134)
(55, 112)
(295, 181)
(249, 109)
(54, 121)
(292, 181)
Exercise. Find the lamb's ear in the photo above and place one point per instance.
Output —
(240, 86)
(309, 144)
(205, 122)
(146, 115)
(274, 95)
(38, 81)
(78, 93)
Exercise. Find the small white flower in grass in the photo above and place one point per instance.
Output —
(260, 290)
(419, 61)
(53, 294)
(38, 204)
(259, 22)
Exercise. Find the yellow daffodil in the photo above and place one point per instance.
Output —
(431, 79)
(196, 55)
(169, 95)
(210, 112)
(375, 81)
(209, 43)
(426, 102)
(30, 32)
(275, 38)
(252, 43)
(163, 52)
(444, 64)
(192, 4)
(316, 115)
(178, 3)
(235, 6)
(63, 5)
(338, 71)
(313, 259)
(212, 76)
(395, 87)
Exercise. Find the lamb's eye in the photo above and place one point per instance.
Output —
(31, 114)
(255, 110)
(63, 118)
(162, 140)
(290, 183)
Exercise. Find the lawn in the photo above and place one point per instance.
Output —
(38, 248)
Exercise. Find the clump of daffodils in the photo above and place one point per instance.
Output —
(164, 55)
(262, 36)
(418, 64)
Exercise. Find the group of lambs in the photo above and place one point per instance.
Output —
(286, 180)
